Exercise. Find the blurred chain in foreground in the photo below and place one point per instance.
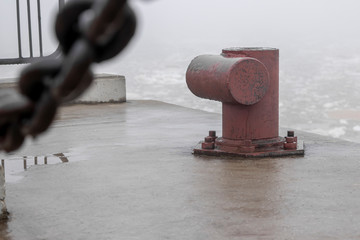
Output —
(89, 31)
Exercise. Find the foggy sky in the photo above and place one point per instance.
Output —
(217, 23)
(261, 21)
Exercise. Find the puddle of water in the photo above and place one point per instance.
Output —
(14, 165)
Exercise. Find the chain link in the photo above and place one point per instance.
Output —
(89, 31)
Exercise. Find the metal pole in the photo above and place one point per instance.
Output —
(61, 4)
(25, 165)
(40, 28)
(29, 26)
(18, 27)
(3, 164)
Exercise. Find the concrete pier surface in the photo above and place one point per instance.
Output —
(131, 175)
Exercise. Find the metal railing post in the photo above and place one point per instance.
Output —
(18, 27)
(40, 28)
(29, 27)
(33, 57)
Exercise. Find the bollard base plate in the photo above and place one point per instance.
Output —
(300, 151)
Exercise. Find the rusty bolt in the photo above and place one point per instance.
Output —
(209, 141)
(212, 133)
(290, 133)
(291, 141)
(213, 136)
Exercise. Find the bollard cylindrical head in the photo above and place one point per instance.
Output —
(248, 81)
(241, 80)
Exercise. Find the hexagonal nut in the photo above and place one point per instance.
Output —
(290, 139)
(289, 146)
(209, 139)
(208, 145)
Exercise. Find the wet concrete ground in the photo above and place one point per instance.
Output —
(131, 175)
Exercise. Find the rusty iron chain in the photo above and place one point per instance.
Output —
(89, 31)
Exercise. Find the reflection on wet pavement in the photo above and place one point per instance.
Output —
(16, 164)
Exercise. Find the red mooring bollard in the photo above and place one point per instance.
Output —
(246, 81)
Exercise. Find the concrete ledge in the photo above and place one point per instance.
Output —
(106, 88)
(11, 84)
